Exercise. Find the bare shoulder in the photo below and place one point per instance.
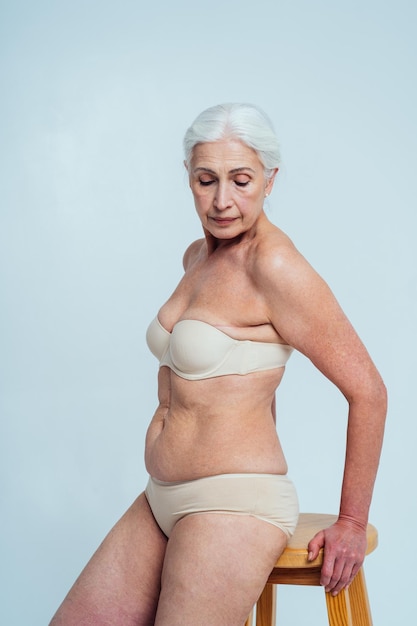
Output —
(299, 302)
(192, 252)
(278, 264)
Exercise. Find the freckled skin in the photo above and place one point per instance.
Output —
(245, 276)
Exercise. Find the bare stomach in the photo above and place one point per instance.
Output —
(233, 433)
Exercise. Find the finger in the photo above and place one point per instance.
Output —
(341, 579)
(329, 573)
(346, 578)
(315, 545)
(330, 570)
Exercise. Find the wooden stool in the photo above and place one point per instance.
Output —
(349, 608)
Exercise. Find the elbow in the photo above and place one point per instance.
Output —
(384, 393)
(379, 405)
(380, 393)
(376, 396)
(373, 393)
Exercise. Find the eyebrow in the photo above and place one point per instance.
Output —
(235, 170)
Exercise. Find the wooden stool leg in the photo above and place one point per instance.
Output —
(350, 607)
(266, 606)
(338, 609)
(359, 603)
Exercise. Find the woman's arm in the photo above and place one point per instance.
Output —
(305, 313)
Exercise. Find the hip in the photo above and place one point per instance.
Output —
(269, 497)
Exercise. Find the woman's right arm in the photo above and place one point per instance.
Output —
(306, 314)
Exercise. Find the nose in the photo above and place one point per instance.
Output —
(223, 198)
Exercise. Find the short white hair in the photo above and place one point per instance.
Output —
(245, 122)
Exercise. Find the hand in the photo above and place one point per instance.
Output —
(344, 546)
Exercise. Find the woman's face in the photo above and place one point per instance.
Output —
(229, 186)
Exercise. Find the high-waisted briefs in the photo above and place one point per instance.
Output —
(268, 497)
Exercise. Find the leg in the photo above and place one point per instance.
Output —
(121, 583)
(215, 568)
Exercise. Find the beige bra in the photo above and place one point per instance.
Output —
(196, 350)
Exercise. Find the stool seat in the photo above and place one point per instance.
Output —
(349, 608)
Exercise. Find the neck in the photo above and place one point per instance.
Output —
(213, 243)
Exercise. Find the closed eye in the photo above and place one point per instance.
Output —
(206, 183)
(240, 184)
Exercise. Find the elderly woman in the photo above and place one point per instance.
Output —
(218, 490)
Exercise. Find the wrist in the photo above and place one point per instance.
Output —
(353, 521)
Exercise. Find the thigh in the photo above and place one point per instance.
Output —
(215, 568)
(121, 583)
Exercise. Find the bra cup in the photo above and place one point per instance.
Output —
(199, 348)
(158, 339)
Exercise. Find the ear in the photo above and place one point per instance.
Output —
(270, 182)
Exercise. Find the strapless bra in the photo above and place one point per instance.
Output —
(196, 350)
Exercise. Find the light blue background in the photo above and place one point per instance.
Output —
(95, 213)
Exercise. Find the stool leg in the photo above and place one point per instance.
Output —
(338, 609)
(266, 606)
(359, 603)
(351, 606)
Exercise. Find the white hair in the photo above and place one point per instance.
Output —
(244, 122)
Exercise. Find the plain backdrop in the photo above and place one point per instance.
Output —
(95, 214)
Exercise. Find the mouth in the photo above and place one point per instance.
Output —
(223, 221)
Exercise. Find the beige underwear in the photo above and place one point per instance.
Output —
(268, 497)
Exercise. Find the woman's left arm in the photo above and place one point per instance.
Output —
(305, 313)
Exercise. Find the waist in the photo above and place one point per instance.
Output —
(178, 451)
